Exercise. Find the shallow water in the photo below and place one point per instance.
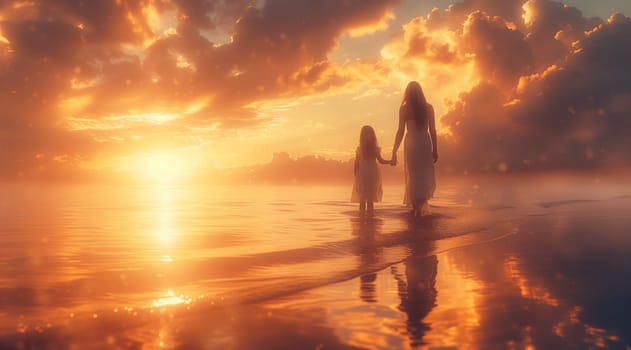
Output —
(106, 266)
(72, 249)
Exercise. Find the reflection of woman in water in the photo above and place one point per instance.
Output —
(420, 148)
(417, 291)
(417, 287)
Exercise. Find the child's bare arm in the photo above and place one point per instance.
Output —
(383, 161)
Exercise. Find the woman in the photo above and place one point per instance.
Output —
(420, 150)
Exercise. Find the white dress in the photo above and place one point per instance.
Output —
(419, 164)
(367, 186)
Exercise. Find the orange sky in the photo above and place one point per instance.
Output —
(161, 89)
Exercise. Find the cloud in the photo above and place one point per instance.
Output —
(550, 86)
(501, 52)
(211, 14)
(96, 61)
(518, 84)
(552, 27)
(281, 48)
(580, 109)
(457, 13)
(422, 43)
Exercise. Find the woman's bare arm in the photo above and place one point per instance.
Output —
(432, 133)
(399, 136)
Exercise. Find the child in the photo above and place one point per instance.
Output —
(367, 187)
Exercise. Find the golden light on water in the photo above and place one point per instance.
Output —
(171, 299)
(458, 314)
(528, 13)
(527, 289)
(3, 39)
(166, 233)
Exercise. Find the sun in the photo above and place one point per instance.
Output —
(164, 166)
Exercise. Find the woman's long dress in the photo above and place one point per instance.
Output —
(419, 164)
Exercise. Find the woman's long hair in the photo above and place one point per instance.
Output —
(415, 98)
(368, 141)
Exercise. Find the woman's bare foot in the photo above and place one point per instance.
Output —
(424, 209)
(415, 211)
(371, 209)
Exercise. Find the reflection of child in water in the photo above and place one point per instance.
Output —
(367, 187)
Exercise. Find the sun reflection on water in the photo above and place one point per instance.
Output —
(171, 299)
(166, 232)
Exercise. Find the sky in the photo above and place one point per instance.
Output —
(167, 88)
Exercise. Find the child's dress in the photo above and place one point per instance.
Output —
(367, 186)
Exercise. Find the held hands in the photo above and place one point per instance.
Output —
(393, 162)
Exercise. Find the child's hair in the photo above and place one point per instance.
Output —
(368, 141)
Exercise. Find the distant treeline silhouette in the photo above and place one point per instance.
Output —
(283, 169)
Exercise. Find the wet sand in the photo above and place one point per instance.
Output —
(535, 271)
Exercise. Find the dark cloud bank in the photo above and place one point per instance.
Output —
(555, 89)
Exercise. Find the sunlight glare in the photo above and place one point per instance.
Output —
(74, 105)
(171, 299)
(164, 166)
(528, 13)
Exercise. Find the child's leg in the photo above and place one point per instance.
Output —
(371, 208)
(362, 206)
